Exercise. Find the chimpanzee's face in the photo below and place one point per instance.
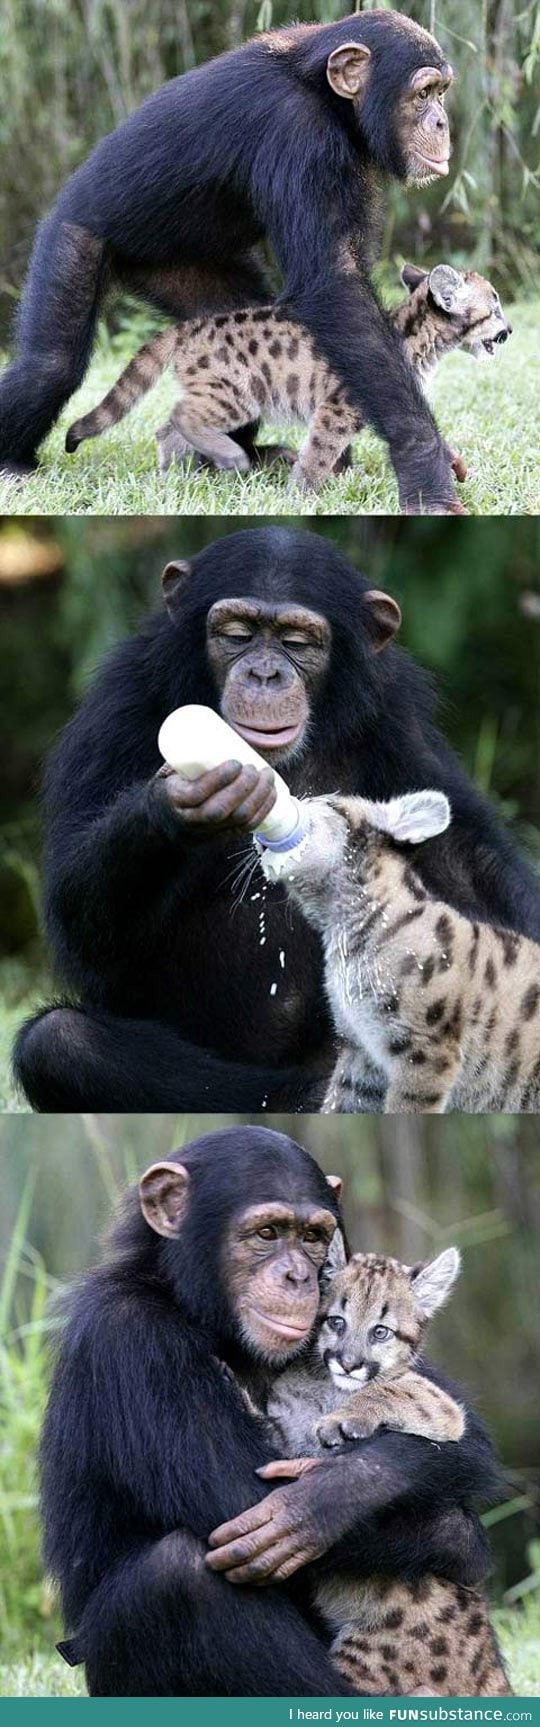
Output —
(422, 126)
(268, 662)
(272, 1257)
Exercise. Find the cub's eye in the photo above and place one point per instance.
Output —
(237, 632)
(336, 1322)
(378, 1333)
(268, 1232)
(295, 639)
(312, 1234)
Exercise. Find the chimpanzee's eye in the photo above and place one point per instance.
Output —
(336, 1322)
(268, 1232)
(236, 631)
(295, 639)
(378, 1333)
(312, 1233)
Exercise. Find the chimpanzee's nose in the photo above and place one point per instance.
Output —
(264, 674)
(297, 1273)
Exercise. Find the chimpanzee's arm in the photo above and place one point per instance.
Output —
(107, 872)
(314, 210)
(335, 1510)
(422, 1481)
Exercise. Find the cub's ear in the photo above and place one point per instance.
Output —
(431, 1284)
(163, 1195)
(347, 70)
(411, 277)
(415, 817)
(336, 1260)
(174, 581)
(448, 288)
(382, 618)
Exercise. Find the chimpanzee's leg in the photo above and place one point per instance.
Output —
(55, 331)
(68, 1059)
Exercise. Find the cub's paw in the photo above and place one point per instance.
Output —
(329, 1431)
(354, 1427)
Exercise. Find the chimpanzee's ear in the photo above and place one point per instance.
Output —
(347, 70)
(431, 1284)
(164, 1193)
(382, 618)
(411, 277)
(174, 581)
(336, 1183)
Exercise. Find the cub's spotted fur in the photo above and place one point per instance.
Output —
(239, 365)
(443, 1013)
(388, 1636)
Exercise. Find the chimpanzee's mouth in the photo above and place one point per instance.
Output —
(294, 1332)
(435, 164)
(264, 740)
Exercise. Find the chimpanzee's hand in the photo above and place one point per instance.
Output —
(227, 797)
(426, 484)
(290, 1528)
(458, 464)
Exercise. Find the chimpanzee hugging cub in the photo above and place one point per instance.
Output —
(210, 1287)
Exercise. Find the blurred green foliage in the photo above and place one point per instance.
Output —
(71, 73)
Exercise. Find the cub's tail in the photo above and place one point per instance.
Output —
(133, 383)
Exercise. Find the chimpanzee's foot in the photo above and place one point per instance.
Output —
(266, 455)
(18, 472)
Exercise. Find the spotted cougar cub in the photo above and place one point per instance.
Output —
(373, 1321)
(236, 366)
(388, 1636)
(446, 1011)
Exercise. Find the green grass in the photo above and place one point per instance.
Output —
(491, 412)
(41, 1676)
(47, 1676)
(17, 1002)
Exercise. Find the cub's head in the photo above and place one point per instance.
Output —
(467, 300)
(375, 1313)
(349, 834)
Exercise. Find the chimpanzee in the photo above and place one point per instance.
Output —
(211, 1285)
(192, 994)
(286, 139)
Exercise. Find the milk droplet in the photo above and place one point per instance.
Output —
(282, 959)
(273, 989)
